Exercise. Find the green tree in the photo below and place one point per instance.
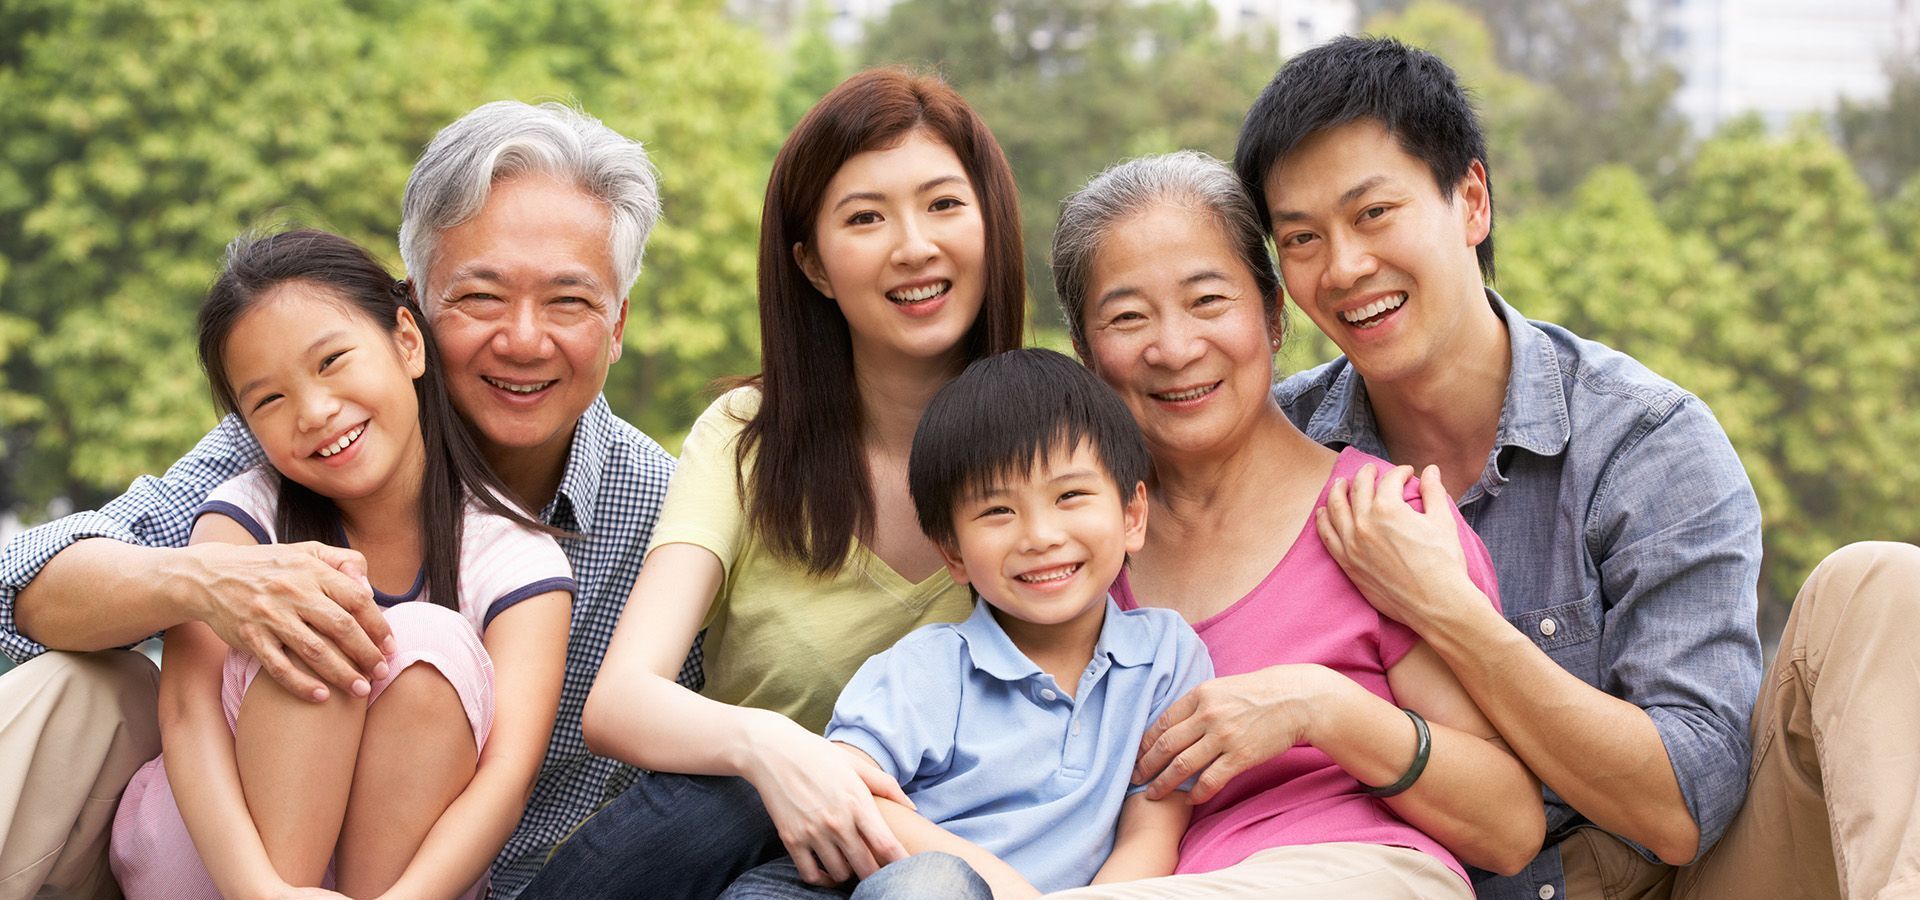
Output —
(1884, 137)
(138, 138)
(1769, 288)
(1607, 98)
(1073, 86)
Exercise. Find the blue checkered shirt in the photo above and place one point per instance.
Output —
(616, 478)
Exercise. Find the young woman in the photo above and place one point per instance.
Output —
(407, 785)
(890, 257)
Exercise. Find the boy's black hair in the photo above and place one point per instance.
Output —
(1001, 416)
(1410, 91)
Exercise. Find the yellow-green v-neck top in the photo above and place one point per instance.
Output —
(779, 638)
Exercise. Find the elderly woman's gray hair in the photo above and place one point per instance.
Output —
(506, 139)
(1188, 179)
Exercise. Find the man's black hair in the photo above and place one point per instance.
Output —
(1410, 91)
(1004, 414)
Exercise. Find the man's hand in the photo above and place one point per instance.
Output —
(306, 611)
(1403, 561)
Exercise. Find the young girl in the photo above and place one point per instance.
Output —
(890, 257)
(408, 785)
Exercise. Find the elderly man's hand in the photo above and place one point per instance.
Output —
(306, 611)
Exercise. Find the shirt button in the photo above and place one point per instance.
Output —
(1076, 727)
(1546, 890)
(1048, 694)
(1547, 627)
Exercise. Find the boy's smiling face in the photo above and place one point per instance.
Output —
(1043, 547)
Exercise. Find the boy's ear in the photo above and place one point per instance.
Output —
(955, 566)
(1135, 516)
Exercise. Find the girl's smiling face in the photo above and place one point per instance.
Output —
(328, 392)
(899, 244)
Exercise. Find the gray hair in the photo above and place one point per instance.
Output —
(1186, 178)
(506, 139)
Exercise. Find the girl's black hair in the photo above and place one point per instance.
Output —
(455, 470)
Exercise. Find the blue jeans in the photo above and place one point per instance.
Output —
(923, 876)
(668, 836)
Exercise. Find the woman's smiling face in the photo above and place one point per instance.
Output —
(1178, 327)
(899, 244)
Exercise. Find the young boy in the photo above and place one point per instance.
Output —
(1014, 731)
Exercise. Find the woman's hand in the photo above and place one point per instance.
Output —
(1403, 561)
(821, 801)
(1229, 725)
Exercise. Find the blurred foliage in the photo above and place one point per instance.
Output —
(1602, 97)
(1884, 137)
(1070, 87)
(1766, 284)
(1772, 274)
(140, 137)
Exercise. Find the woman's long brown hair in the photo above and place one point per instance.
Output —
(809, 496)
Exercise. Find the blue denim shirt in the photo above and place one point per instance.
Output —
(1627, 541)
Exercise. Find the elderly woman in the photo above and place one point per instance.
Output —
(1336, 755)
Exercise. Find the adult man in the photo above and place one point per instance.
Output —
(1623, 527)
(522, 229)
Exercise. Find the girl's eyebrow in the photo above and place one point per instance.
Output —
(328, 337)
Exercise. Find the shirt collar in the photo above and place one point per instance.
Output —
(586, 468)
(1533, 416)
(995, 654)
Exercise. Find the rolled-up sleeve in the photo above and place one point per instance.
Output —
(154, 512)
(1677, 535)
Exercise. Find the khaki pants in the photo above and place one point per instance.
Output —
(73, 728)
(1831, 810)
(1307, 872)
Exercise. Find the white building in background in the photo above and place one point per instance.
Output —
(1294, 25)
(1780, 58)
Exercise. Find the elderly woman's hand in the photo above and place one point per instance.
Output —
(1229, 725)
(1407, 562)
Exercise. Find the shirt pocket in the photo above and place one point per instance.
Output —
(1568, 632)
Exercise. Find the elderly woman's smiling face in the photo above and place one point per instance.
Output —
(1177, 325)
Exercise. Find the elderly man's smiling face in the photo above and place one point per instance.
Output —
(527, 313)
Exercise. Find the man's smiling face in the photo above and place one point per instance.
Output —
(1375, 253)
(527, 313)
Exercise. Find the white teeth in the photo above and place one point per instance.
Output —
(924, 292)
(1059, 574)
(1188, 394)
(516, 388)
(344, 441)
(1373, 309)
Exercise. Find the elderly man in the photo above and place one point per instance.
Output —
(1625, 668)
(522, 231)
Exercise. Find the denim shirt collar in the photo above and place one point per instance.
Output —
(1533, 417)
(995, 654)
(586, 467)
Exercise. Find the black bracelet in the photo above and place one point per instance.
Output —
(1420, 753)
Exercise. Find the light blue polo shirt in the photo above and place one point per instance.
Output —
(990, 748)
